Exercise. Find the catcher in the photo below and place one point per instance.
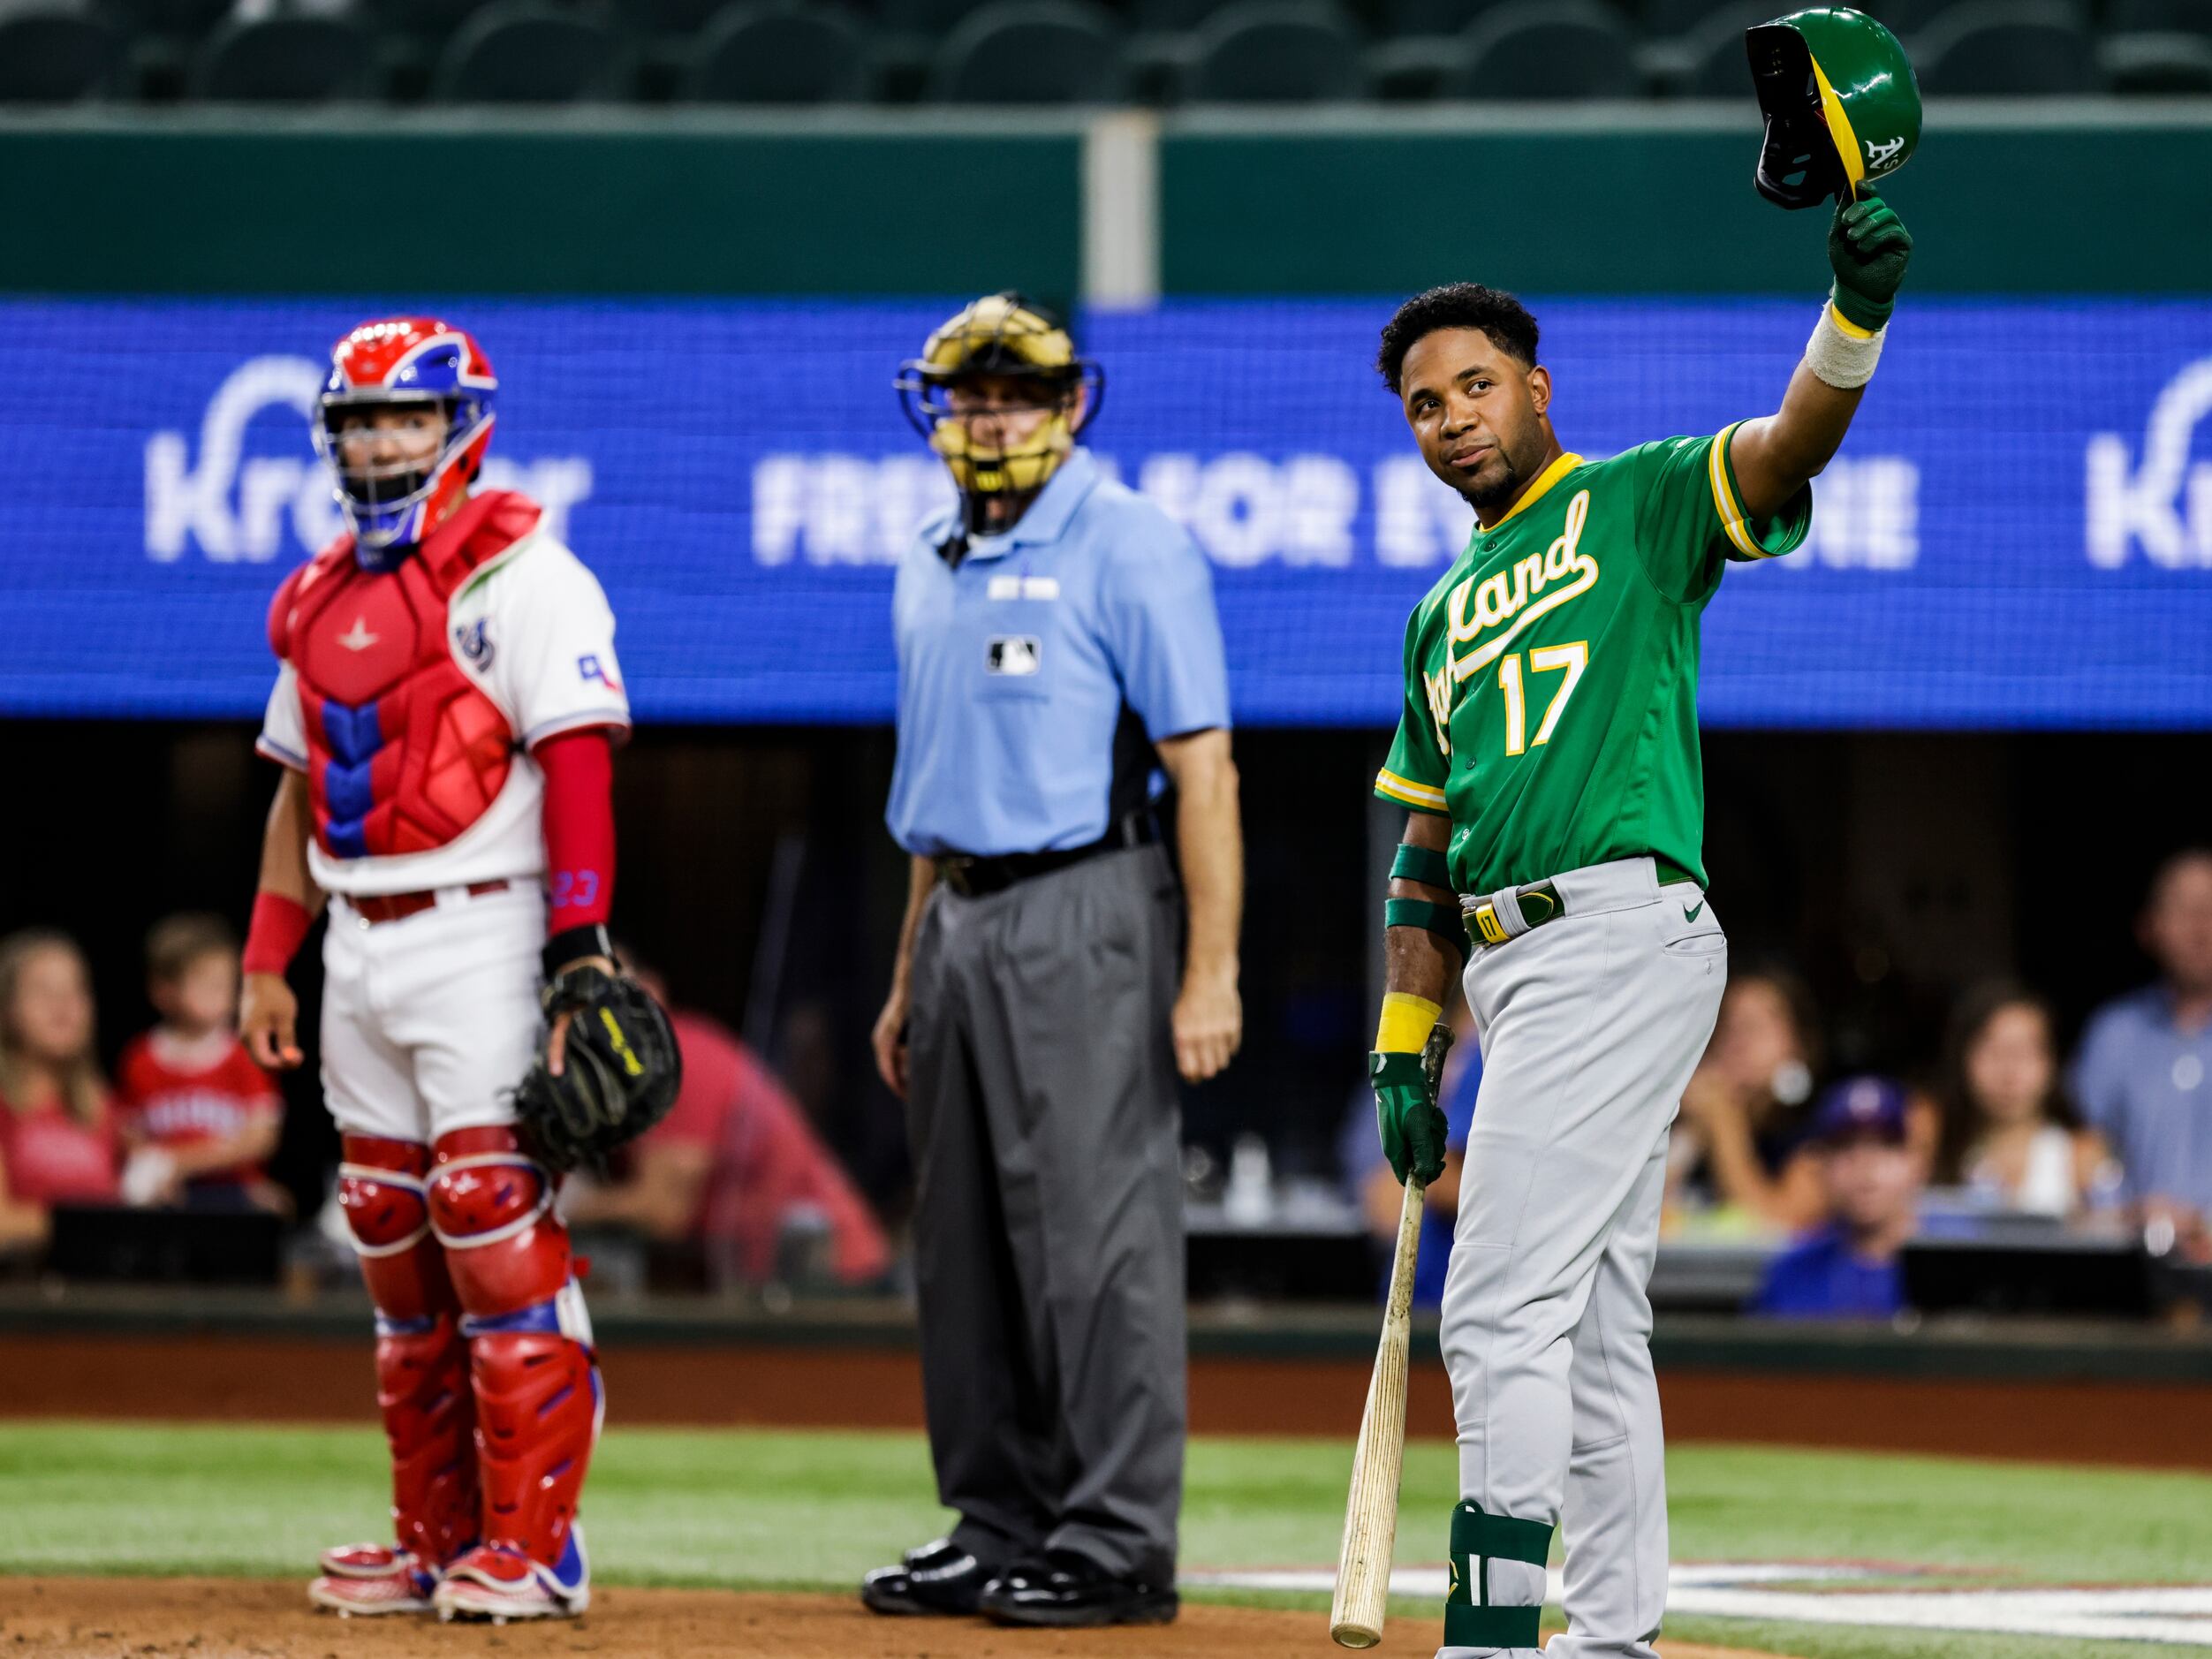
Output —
(446, 707)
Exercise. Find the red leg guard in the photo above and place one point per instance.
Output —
(422, 1382)
(536, 1381)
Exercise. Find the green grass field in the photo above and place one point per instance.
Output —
(791, 1511)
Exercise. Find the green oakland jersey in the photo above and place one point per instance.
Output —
(1551, 675)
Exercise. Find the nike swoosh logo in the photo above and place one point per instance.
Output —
(1690, 913)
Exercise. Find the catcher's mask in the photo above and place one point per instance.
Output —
(403, 363)
(1843, 107)
(1006, 337)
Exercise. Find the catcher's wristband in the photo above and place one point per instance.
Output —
(273, 937)
(573, 944)
(1843, 353)
(1440, 920)
(1424, 865)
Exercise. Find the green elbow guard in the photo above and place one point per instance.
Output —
(1440, 920)
(1424, 865)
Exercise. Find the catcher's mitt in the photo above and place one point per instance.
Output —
(619, 1070)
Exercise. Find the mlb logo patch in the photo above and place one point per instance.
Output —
(1016, 654)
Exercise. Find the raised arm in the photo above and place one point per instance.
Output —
(1777, 455)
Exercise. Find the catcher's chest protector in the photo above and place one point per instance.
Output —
(405, 751)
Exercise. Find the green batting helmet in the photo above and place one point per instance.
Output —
(1842, 106)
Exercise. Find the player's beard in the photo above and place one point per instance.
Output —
(1494, 492)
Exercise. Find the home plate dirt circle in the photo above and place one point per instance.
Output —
(234, 1619)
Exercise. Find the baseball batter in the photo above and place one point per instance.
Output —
(1549, 754)
(445, 708)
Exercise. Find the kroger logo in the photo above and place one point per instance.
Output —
(2161, 503)
(256, 489)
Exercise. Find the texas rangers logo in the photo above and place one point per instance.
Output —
(1882, 155)
(589, 667)
(358, 638)
(474, 642)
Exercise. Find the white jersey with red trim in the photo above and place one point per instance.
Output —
(531, 629)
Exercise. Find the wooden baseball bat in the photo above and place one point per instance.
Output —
(1363, 1565)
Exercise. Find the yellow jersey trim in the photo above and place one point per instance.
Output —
(1545, 479)
(1725, 500)
(1847, 327)
(1839, 129)
(1406, 793)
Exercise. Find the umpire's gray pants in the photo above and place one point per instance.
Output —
(1047, 1211)
(1591, 1025)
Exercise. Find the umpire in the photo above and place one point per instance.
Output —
(1057, 649)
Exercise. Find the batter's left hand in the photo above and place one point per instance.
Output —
(1208, 1023)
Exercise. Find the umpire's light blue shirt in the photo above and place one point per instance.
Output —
(1014, 668)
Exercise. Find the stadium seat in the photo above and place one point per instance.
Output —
(56, 54)
(2156, 62)
(1546, 50)
(422, 23)
(285, 59)
(1274, 51)
(673, 20)
(933, 19)
(2020, 49)
(1672, 20)
(1708, 62)
(1030, 51)
(2159, 17)
(1405, 19)
(170, 21)
(776, 54)
(527, 53)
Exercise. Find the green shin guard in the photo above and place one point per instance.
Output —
(1477, 1540)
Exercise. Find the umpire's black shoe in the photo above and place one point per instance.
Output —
(940, 1578)
(1065, 1589)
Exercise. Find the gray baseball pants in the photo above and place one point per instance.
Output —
(1048, 1212)
(1591, 1025)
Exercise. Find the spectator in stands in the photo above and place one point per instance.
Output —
(2009, 1132)
(2143, 1073)
(1732, 1144)
(734, 1167)
(198, 1118)
(1376, 1191)
(56, 1132)
(1739, 1146)
(1870, 1177)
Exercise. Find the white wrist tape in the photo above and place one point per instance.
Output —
(1840, 352)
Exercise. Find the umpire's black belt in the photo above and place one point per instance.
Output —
(972, 878)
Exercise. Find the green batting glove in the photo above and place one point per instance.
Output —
(1405, 1113)
(1867, 249)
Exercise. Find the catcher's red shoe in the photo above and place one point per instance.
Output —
(370, 1580)
(499, 1584)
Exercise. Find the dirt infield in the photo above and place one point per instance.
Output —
(282, 1379)
(217, 1618)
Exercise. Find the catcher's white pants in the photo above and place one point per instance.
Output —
(1591, 1025)
(430, 1021)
